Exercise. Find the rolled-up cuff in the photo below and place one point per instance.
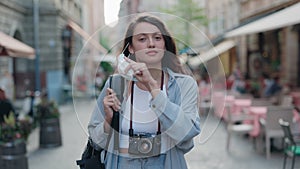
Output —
(158, 104)
(98, 135)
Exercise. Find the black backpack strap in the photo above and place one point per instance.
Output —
(117, 83)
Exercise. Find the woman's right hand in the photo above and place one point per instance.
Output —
(110, 103)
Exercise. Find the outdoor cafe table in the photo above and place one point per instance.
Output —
(229, 100)
(257, 112)
(237, 106)
(240, 104)
(218, 103)
(260, 112)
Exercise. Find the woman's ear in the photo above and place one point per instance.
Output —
(130, 49)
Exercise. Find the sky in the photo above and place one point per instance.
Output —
(111, 9)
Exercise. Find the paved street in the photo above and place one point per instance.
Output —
(210, 154)
(74, 140)
(213, 155)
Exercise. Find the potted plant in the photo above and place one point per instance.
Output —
(13, 137)
(48, 115)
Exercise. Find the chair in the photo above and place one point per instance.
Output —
(204, 108)
(244, 96)
(290, 147)
(271, 127)
(235, 125)
(261, 102)
(286, 100)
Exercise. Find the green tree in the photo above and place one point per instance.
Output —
(104, 41)
(190, 11)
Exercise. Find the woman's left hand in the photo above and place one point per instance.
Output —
(142, 74)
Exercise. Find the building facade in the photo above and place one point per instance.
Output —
(13, 16)
(274, 52)
(222, 16)
(58, 43)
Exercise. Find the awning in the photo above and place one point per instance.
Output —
(86, 36)
(212, 53)
(10, 46)
(286, 17)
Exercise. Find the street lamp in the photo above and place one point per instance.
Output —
(66, 37)
(36, 44)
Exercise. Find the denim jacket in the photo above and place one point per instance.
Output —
(178, 115)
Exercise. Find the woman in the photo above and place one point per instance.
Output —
(160, 105)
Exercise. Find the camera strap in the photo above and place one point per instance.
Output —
(131, 131)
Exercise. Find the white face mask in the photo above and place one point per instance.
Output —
(122, 65)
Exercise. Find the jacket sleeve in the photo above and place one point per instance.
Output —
(180, 120)
(96, 123)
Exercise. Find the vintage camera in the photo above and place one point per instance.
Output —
(145, 144)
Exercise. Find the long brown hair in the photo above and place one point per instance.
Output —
(170, 59)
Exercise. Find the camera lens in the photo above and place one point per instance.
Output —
(145, 146)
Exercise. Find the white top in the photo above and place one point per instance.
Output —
(144, 120)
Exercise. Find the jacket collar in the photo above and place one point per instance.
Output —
(172, 75)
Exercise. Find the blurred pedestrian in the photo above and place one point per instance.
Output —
(229, 81)
(5, 106)
(7, 84)
(31, 100)
(237, 73)
(255, 88)
(273, 87)
(239, 85)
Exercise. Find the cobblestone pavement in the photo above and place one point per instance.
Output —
(208, 155)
